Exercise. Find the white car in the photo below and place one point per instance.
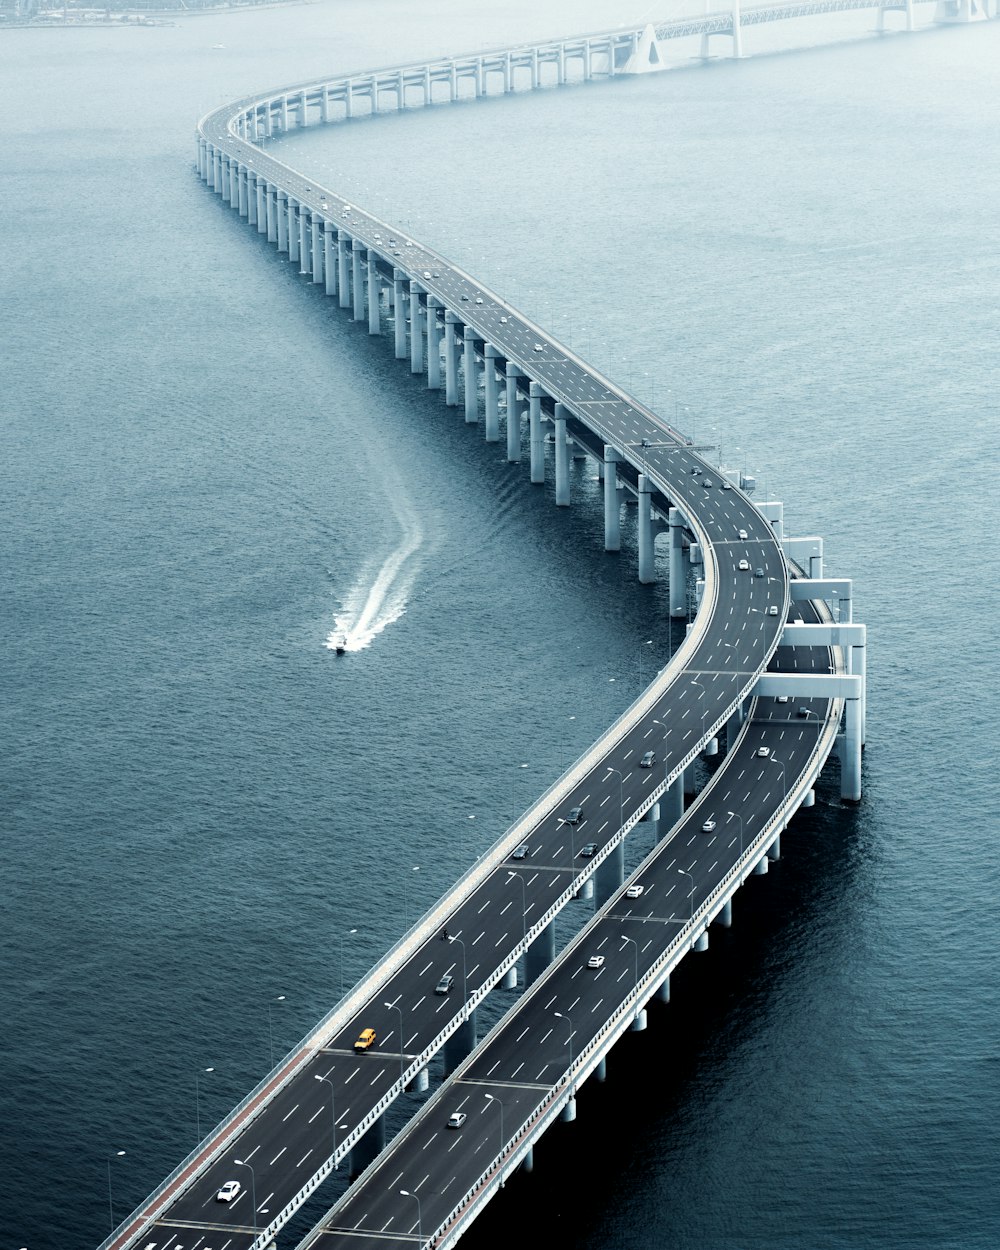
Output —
(773, 609)
(595, 961)
(228, 1192)
(763, 752)
(539, 347)
(634, 891)
(457, 1120)
(744, 566)
(708, 826)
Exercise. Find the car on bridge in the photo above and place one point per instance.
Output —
(587, 851)
(574, 816)
(634, 891)
(366, 1041)
(744, 566)
(648, 759)
(521, 852)
(595, 961)
(228, 1192)
(444, 985)
(457, 1119)
(708, 826)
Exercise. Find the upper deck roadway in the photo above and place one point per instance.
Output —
(286, 1130)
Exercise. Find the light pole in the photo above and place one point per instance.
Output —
(524, 910)
(396, 1007)
(349, 933)
(333, 1117)
(564, 1015)
(465, 986)
(119, 1154)
(784, 788)
(197, 1100)
(684, 872)
(405, 1193)
(493, 1098)
(647, 643)
(406, 899)
(737, 816)
(253, 1191)
(665, 732)
(270, 1030)
(621, 795)
(572, 847)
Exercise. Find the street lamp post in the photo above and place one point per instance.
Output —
(333, 1117)
(405, 1193)
(503, 1142)
(253, 1191)
(784, 789)
(197, 1100)
(524, 910)
(119, 1154)
(572, 847)
(396, 1007)
(636, 945)
(564, 1015)
(406, 899)
(621, 795)
(349, 933)
(465, 984)
(270, 1030)
(684, 872)
(647, 643)
(737, 816)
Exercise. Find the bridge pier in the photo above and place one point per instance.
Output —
(368, 1148)
(329, 258)
(282, 215)
(601, 1071)
(701, 941)
(461, 1044)
(293, 229)
(343, 269)
(672, 802)
(647, 570)
(513, 415)
(272, 214)
(305, 239)
(536, 437)
(433, 344)
(261, 196)
(357, 280)
(471, 377)
(663, 990)
(568, 1113)
(677, 572)
(491, 397)
(399, 313)
(612, 501)
(450, 360)
(416, 329)
(774, 850)
(562, 458)
(317, 252)
(540, 954)
(374, 294)
(638, 1024)
(725, 916)
(610, 875)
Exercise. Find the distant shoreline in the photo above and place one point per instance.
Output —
(165, 15)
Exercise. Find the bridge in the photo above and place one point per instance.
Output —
(772, 659)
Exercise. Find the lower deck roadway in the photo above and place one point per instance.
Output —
(523, 1063)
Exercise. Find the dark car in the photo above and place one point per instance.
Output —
(574, 815)
(588, 850)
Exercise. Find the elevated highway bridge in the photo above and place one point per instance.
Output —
(766, 658)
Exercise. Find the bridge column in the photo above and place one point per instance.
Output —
(663, 993)
(647, 570)
(701, 941)
(303, 109)
(678, 576)
(329, 258)
(344, 269)
(254, 200)
(471, 377)
(233, 194)
(562, 459)
(587, 73)
(271, 214)
(508, 75)
(760, 868)
(737, 31)
(241, 190)
(433, 344)
(293, 229)
(450, 359)
(609, 875)
(725, 917)
(491, 398)
(358, 279)
(612, 501)
(690, 780)
(528, 1162)
(774, 850)
(325, 105)
(316, 252)
(672, 805)
(568, 1113)
(374, 294)
(534, 69)
(368, 1148)
(215, 182)
(348, 100)
(305, 242)
(461, 1044)
(416, 329)
(536, 436)
(282, 216)
(399, 312)
(513, 415)
(601, 1071)
(850, 753)
(540, 954)
(285, 124)
(427, 85)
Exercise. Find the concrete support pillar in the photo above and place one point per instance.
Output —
(399, 312)
(303, 109)
(528, 1162)
(282, 215)
(601, 1071)
(690, 780)
(368, 1148)
(233, 193)
(587, 74)
(808, 799)
(701, 941)
(609, 875)
(671, 805)
(647, 570)
(293, 229)
(217, 173)
(612, 501)
(253, 200)
(562, 458)
(651, 816)
(420, 1083)
(271, 214)
(450, 360)
(374, 294)
(344, 269)
(774, 850)
(568, 1113)
(285, 124)
(536, 435)
(373, 91)
(471, 377)
(540, 954)
(678, 575)
(638, 1024)
(725, 917)
(850, 753)
(348, 100)
(760, 868)
(305, 242)
(433, 344)
(513, 415)
(416, 330)
(509, 979)
(461, 1044)
(663, 993)
(325, 106)
(358, 250)
(586, 891)
(491, 397)
(242, 198)
(316, 253)
(329, 258)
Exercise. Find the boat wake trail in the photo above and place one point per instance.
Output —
(380, 594)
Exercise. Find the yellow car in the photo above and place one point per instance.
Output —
(366, 1040)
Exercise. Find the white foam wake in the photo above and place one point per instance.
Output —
(379, 597)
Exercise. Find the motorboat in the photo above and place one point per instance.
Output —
(340, 643)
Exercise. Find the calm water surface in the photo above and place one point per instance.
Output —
(206, 465)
